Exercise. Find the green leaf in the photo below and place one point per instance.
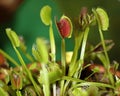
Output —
(18, 93)
(40, 51)
(13, 37)
(33, 66)
(102, 18)
(79, 92)
(52, 43)
(92, 90)
(3, 92)
(45, 15)
(53, 75)
(29, 91)
(46, 85)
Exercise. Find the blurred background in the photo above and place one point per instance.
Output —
(23, 17)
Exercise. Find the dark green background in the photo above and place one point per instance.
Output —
(26, 22)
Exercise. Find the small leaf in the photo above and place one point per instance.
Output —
(102, 18)
(79, 92)
(99, 47)
(13, 37)
(92, 90)
(65, 27)
(29, 91)
(33, 66)
(45, 15)
(16, 80)
(96, 69)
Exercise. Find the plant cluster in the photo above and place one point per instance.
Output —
(75, 74)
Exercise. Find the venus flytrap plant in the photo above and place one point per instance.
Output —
(16, 43)
(103, 24)
(45, 15)
(65, 29)
(84, 21)
(81, 60)
(75, 66)
(78, 40)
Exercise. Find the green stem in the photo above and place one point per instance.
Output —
(63, 65)
(46, 85)
(52, 43)
(54, 90)
(78, 40)
(9, 58)
(82, 54)
(84, 43)
(104, 47)
(27, 71)
(93, 84)
(73, 64)
(89, 76)
(18, 93)
(53, 52)
(107, 65)
(84, 83)
(63, 60)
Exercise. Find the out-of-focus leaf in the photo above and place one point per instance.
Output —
(16, 80)
(40, 51)
(3, 92)
(92, 91)
(29, 91)
(54, 75)
(79, 92)
(99, 48)
(13, 37)
(45, 14)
